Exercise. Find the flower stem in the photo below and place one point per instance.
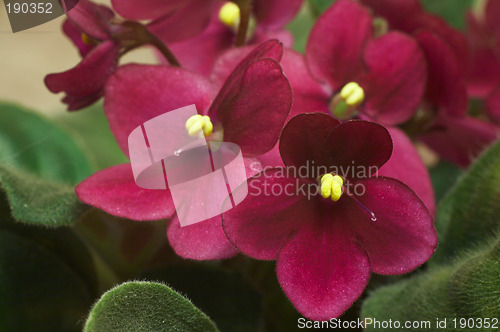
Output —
(245, 12)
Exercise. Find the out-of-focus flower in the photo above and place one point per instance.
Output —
(249, 110)
(210, 27)
(101, 41)
(382, 77)
(327, 243)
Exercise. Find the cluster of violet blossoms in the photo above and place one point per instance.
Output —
(377, 77)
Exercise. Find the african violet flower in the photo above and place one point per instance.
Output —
(249, 110)
(209, 27)
(326, 245)
(384, 77)
(101, 41)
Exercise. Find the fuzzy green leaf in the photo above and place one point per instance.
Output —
(470, 213)
(39, 164)
(444, 175)
(146, 306)
(453, 11)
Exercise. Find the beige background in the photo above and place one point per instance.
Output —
(27, 56)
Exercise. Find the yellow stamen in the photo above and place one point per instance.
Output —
(87, 40)
(198, 124)
(331, 186)
(352, 94)
(229, 14)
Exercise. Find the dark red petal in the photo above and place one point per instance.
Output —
(396, 78)
(87, 79)
(460, 140)
(115, 191)
(228, 61)
(76, 37)
(308, 95)
(201, 241)
(274, 14)
(406, 166)
(91, 19)
(493, 105)
(445, 85)
(399, 14)
(335, 47)
(483, 74)
(322, 269)
(358, 143)
(403, 236)
(147, 9)
(254, 111)
(186, 22)
(135, 94)
(302, 142)
(492, 15)
(273, 210)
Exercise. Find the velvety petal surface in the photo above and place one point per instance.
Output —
(114, 191)
(445, 85)
(75, 35)
(406, 166)
(156, 90)
(403, 236)
(253, 112)
(302, 142)
(201, 241)
(358, 143)
(147, 9)
(396, 78)
(335, 47)
(84, 83)
(269, 215)
(274, 14)
(493, 105)
(91, 19)
(322, 269)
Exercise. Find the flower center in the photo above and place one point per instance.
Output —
(87, 40)
(230, 16)
(344, 103)
(199, 125)
(332, 186)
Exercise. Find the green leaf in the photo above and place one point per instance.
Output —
(319, 6)
(90, 129)
(470, 213)
(146, 306)
(300, 28)
(230, 301)
(453, 11)
(470, 288)
(444, 175)
(39, 164)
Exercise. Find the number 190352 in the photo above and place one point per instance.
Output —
(29, 8)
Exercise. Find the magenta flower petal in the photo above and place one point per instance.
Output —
(201, 241)
(308, 95)
(84, 83)
(275, 14)
(260, 232)
(231, 59)
(403, 236)
(303, 139)
(147, 9)
(445, 87)
(156, 90)
(396, 78)
(113, 190)
(185, 22)
(460, 139)
(75, 35)
(91, 19)
(406, 165)
(253, 111)
(358, 143)
(335, 47)
(322, 269)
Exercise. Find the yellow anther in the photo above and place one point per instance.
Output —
(229, 14)
(87, 40)
(197, 124)
(331, 186)
(352, 94)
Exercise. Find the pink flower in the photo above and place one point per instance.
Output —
(325, 249)
(194, 27)
(249, 110)
(390, 70)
